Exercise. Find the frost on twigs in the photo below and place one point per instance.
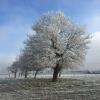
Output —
(58, 39)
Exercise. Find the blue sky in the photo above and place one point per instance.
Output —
(18, 16)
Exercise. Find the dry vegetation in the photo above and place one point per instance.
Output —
(45, 89)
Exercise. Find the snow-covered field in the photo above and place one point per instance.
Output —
(68, 87)
(76, 76)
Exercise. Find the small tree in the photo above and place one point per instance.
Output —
(58, 43)
(24, 64)
(13, 68)
(9, 71)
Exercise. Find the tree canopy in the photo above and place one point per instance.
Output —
(58, 42)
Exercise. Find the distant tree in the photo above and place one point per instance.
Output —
(13, 69)
(58, 43)
(9, 71)
(24, 65)
(36, 71)
(60, 74)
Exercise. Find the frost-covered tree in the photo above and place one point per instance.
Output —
(9, 71)
(24, 63)
(58, 43)
(13, 69)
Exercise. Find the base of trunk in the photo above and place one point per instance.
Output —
(26, 73)
(15, 75)
(56, 72)
(35, 74)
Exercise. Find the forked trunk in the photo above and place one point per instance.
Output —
(56, 72)
(35, 74)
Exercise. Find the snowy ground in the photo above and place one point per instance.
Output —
(75, 87)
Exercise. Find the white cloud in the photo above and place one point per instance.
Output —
(93, 55)
(6, 60)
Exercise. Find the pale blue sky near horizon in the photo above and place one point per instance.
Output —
(18, 16)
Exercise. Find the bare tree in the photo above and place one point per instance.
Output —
(58, 43)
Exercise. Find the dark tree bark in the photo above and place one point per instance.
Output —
(60, 74)
(36, 74)
(26, 73)
(15, 75)
(56, 72)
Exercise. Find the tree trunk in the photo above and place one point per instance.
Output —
(9, 75)
(15, 75)
(56, 72)
(36, 74)
(26, 73)
(60, 74)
